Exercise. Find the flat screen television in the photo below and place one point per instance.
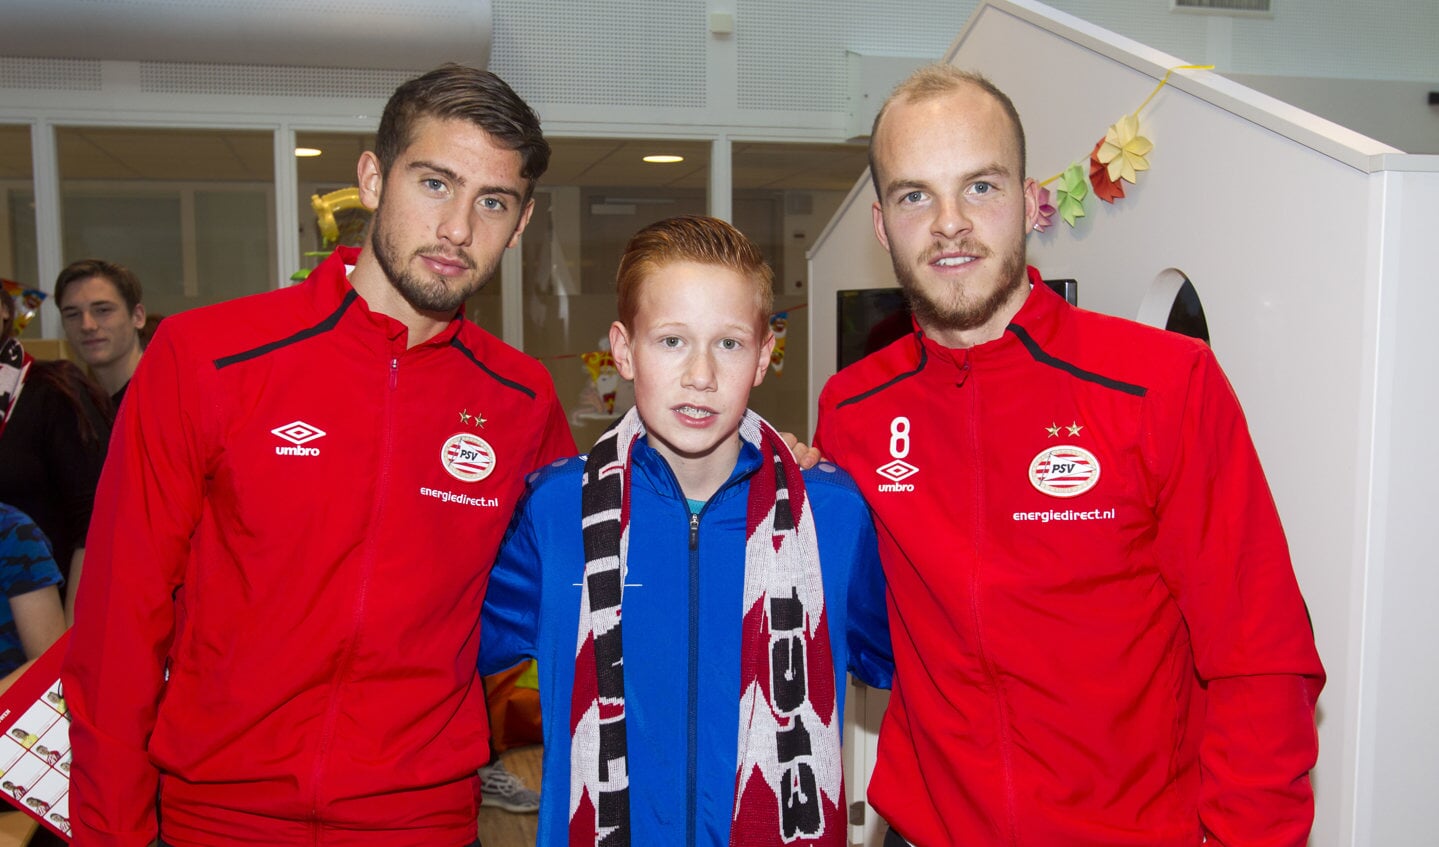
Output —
(871, 318)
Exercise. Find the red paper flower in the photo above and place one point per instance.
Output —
(1105, 189)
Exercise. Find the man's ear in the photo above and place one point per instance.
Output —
(1031, 204)
(371, 179)
(879, 226)
(137, 317)
(765, 350)
(524, 222)
(620, 350)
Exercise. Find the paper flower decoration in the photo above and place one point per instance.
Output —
(1071, 193)
(779, 325)
(1123, 149)
(1046, 211)
(1105, 189)
(604, 378)
(27, 302)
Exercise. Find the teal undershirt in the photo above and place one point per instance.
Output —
(695, 505)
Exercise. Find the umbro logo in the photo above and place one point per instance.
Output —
(298, 433)
(897, 470)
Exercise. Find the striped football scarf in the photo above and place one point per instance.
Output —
(14, 362)
(789, 779)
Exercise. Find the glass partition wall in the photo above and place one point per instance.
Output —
(784, 195)
(17, 214)
(596, 195)
(193, 212)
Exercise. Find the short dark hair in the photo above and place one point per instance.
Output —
(119, 276)
(459, 92)
(939, 79)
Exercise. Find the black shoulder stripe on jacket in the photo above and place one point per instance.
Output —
(923, 358)
(1089, 376)
(469, 354)
(326, 325)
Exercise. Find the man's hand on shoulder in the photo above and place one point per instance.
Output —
(805, 455)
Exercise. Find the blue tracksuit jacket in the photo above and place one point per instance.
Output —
(681, 631)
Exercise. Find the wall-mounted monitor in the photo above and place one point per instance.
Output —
(871, 318)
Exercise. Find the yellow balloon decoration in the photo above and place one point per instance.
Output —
(327, 205)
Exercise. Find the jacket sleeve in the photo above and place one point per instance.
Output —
(871, 656)
(818, 443)
(510, 618)
(146, 509)
(1224, 557)
(556, 440)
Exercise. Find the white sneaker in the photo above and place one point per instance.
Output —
(503, 790)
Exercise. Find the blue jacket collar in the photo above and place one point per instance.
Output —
(651, 470)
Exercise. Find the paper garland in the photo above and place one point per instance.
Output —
(1117, 158)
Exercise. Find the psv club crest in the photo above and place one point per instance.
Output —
(1064, 471)
(467, 457)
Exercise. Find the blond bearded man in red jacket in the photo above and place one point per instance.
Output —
(1098, 637)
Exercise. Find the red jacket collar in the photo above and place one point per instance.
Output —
(1039, 317)
(330, 284)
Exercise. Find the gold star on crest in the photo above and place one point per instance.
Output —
(1053, 430)
(465, 416)
(480, 421)
(1074, 428)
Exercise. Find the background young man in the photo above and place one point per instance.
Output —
(102, 314)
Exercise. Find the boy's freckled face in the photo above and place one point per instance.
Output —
(697, 347)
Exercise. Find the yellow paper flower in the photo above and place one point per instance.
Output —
(1124, 149)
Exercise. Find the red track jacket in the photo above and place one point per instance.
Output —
(295, 527)
(1099, 640)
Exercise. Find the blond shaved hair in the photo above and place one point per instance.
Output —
(937, 80)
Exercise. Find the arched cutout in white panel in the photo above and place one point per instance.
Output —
(1186, 315)
(1154, 308)
(1172, 303)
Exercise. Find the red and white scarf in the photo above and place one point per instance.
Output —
(14, 362)
(789, 778)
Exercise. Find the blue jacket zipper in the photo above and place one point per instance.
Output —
(694, 681)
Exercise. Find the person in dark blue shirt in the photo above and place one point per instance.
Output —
(31, 620)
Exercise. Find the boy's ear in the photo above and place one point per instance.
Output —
(765, 350)
(620, 350)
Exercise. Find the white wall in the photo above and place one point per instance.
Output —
(1397, 746)
(1396, 112)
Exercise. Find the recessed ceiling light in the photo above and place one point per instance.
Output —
(306, 152)
(664, 160)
